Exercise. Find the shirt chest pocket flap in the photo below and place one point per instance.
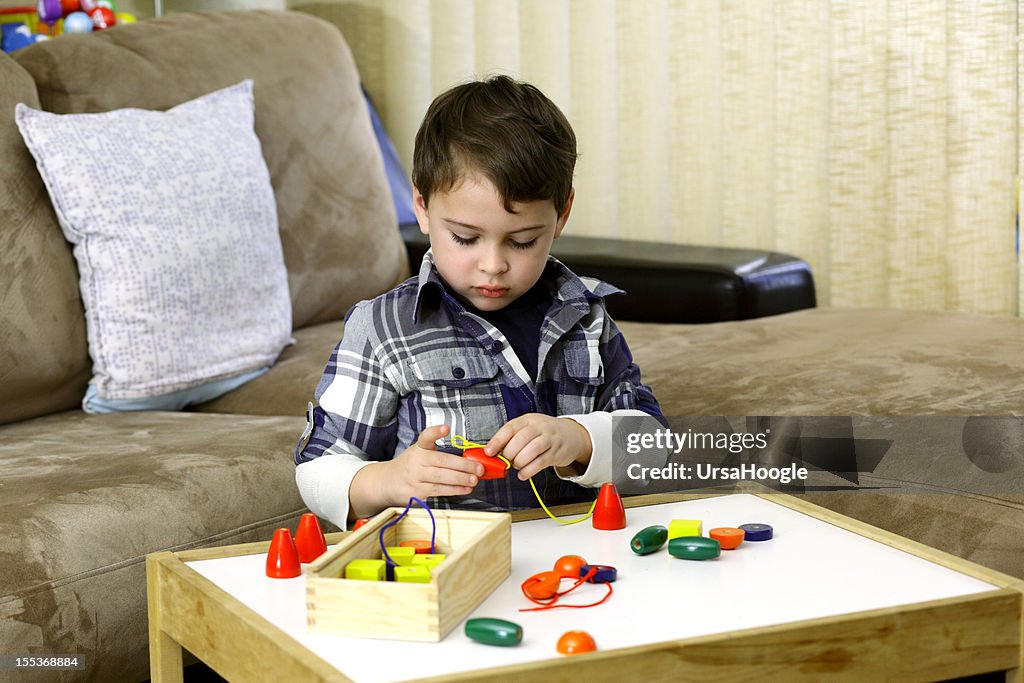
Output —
(583, 361)
(456, 370)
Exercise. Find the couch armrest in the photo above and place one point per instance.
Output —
(675, 283)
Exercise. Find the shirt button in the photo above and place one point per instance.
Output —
(458, 373)
(496, 346)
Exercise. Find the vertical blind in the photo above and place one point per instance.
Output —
(877, 139)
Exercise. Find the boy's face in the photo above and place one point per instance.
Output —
(488, 256)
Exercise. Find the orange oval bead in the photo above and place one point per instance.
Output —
(542, 586)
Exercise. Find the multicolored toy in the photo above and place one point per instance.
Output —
(24, 26)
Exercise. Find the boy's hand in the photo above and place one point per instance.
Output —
(418, 471)
(534, 441)
(421, 471)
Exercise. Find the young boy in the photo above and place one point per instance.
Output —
(494, 341)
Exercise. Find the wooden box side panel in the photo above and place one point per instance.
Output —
(455, 529)
(478, 546)
(373, 609)
(479, 570)
(363, 544)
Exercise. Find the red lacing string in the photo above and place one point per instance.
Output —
(549, 603)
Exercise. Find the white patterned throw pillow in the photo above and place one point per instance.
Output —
(174, 226)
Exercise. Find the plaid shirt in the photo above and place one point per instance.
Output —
(415, 357)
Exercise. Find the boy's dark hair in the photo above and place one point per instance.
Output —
(507, 131)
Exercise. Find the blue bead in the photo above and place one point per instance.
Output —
(756, 532)
(604, 573)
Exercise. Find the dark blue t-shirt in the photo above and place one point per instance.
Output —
(521, 321)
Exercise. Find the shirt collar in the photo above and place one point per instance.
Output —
(570, 289)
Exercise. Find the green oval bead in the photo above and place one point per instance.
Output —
(494, 631)
(648, 540)
(694, 548)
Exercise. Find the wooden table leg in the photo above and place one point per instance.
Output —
(165, 665)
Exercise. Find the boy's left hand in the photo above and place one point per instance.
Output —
(534, 441)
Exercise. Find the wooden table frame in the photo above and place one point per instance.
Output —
(923, 641)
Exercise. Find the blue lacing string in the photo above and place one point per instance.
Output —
(396, 520)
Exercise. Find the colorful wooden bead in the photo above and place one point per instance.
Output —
(365, 570)
(420, 546)
(694, 548)
(729, 537)
(603, 573)
(568, 566)
(429, 561)
(684, 527)
(412, 574)
(649, 540)
(494, 631)
(575, 643)
(402, 556)
(542, 586)
(494, 467)
(757, 532)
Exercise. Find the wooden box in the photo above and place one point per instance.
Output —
(478, 546)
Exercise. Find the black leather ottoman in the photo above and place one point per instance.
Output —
(674, 283)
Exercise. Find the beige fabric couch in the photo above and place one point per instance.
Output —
(84, 498)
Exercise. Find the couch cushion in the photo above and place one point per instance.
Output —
(865, 362)
(86, 497)
(180, 266)
(833, 361)
(288, 386)
(336, 217)
(42, 338)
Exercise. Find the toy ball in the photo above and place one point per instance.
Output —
(106, 3)
(68, 6)
(49, 11)
(124, 18)
(88, 5)
(102, 18)
(77, 22)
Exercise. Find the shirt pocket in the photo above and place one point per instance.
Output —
(459, 389)
(584, 375)
(454, 370)
(583, 362)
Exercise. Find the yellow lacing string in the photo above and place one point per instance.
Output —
(462, 444)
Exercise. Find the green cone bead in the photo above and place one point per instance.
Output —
(494, 631)
(648, 540)
(694, 548)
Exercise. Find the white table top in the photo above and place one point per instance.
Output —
(810, 569)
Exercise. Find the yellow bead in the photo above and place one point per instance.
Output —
(401, 556)
(365, 570)
(679, 528)
(412, 574)
(427, 560)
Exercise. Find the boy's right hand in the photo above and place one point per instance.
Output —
(419, 471)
